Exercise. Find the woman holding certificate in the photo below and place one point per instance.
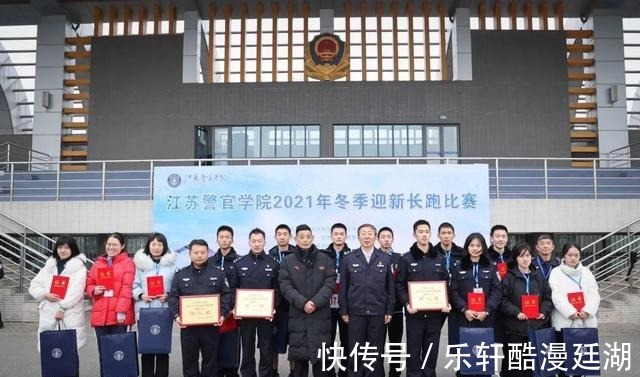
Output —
(109, 285)
(475, 289)
(155, 267)
(59, 286)
(526, 303)
(574, 291)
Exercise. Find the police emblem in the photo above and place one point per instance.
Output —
(155, 330)
(56, 353)
(326, 58)
(118, 355)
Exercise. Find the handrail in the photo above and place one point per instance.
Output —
(592, 244)
(28, 228)
(625, 147)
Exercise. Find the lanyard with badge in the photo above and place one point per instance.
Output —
(476, 299)
(544, 273)
(576, 298)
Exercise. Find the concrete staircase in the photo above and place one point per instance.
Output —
(622, 308)
(16, 306)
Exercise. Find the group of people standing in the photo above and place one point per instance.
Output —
(360, 294)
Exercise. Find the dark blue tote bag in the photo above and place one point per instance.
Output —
(119, 355)
(473, 337)
(582, 358)
(538, 339)
(59, 352)
(154, 330)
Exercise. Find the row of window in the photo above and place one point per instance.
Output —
(349, 140)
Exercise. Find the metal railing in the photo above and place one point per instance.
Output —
(509, 178)
(609, 258)
(620, 156)
(10, 152)
(23, 249)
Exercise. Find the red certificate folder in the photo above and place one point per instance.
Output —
(155, 286)
(576, 299)
(105, 277)
(502, 269)
(59, 286)
(475, 301)
(530, 306)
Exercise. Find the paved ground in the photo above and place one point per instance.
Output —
(19, 357)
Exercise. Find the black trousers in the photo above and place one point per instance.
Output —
(155, 365)
(195, 341)
(301, 369)
(363, 329)
(248, 330)
(423, 334)
(394, 332)
(338, 324)
(506, 372)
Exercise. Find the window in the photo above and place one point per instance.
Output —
(395, 140)
(255, 141)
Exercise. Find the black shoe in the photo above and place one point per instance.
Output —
(274, 373)
(1, 325)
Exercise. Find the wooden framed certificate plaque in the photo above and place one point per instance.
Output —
(254, 303)
(199, 310)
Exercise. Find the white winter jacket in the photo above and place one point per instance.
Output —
(73, 303)
(145, 266)
(563, 280)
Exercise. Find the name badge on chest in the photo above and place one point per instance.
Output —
(477, 290)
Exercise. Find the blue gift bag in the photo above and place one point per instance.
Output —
(473, 337)
(119, 355)
(577, 341)
(538, 339)
(59, 353)
(154, 330)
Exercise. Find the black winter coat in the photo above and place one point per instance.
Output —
(463, 282)
(456, 255)
(513, 287)
(418, 266)
(308, 276)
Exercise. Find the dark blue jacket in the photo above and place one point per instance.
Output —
(205, 281)
(256, 271)
(463, 282)
(367, 288)
(226, 263)
(283, 305)
(546, 267)
(456, 255)
(418, 266)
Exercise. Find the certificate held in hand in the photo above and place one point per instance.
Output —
(476, 301)
(576, 299)
(105, 277)
(530, 305)
(254, 303)
(155, 286)
(59, 286)
(428, 295)
(199, 310)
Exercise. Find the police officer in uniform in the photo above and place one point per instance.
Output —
(199, 278)
(367, 297)
(421, 263)
(256, 270)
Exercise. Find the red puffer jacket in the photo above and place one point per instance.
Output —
(105, 309)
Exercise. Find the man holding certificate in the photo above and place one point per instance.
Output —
(255, 280)
(421, 287)
(366, 299)
(199, 300)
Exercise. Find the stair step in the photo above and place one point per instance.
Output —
(78, 40)
(76, 82)
(579, 48)
(583, 106)
(584, 120)
(73, 167)
(75, 110)
(73, 153)
(75, 125)
(579, 34)
(77, 68)
(574, 63)
(74, 139)
(77, 54)
(586, 91)
(584, 149)
(75, 96)
(581, 76)
(584, 135)
(581, 164)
